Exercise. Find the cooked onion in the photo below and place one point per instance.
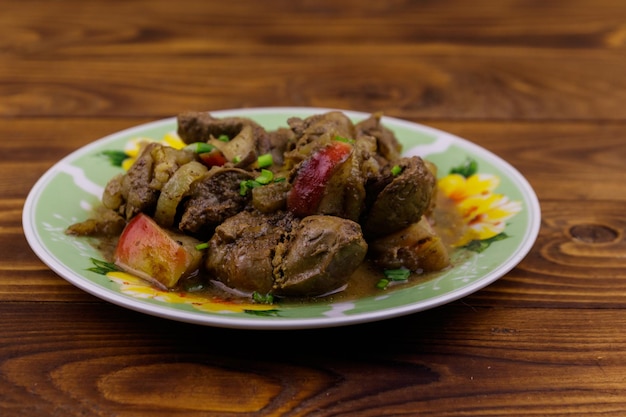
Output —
(174, 190)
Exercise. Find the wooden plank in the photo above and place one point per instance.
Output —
(455, 359)
(433, 61)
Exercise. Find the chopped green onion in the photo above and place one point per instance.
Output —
(202, 246)
(199, 147)
(262, 299)
(342, 139)
(266, 177)
(396, 170)
(237, 159)
(223, 138)
(265, 160)
(400, 274)
(244, 186)
(382, 284)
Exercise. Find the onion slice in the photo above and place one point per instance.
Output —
(174, 190)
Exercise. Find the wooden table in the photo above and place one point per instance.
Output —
(541, 84)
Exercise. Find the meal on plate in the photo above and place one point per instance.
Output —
(293, 212)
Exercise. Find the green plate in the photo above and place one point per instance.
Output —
(505, 227)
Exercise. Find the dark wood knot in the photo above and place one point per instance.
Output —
(594, 233)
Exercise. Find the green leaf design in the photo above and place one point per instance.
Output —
(263, 313)
(466, 169)
(115, 157)
(262, 298)
(102, 267)
(480, 245)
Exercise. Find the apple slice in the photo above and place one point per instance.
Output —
(212, 158)
(155, 254)
(416, 247)
(314, 175)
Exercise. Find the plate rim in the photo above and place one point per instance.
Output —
(276, 323)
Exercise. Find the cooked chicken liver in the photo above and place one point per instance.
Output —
(284, 255)
(258, 242)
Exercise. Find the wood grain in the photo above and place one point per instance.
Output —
(540, 84)
(430, 60)
(491, 360)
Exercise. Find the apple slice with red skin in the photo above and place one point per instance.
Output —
(214, 157)
(155, 254)
(313, 176)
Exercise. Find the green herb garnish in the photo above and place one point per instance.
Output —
(382, 283)
(396, 170)
(342, 139)
(246, 185)
(262, 299)
(265, 160)
(266, 177)
(400, 274)
(199, 147)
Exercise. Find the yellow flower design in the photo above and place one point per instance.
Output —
(139, 288)
(484, 212)
(457, 187)
(134, 146)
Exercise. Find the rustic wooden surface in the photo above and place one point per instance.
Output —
(540, 83)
